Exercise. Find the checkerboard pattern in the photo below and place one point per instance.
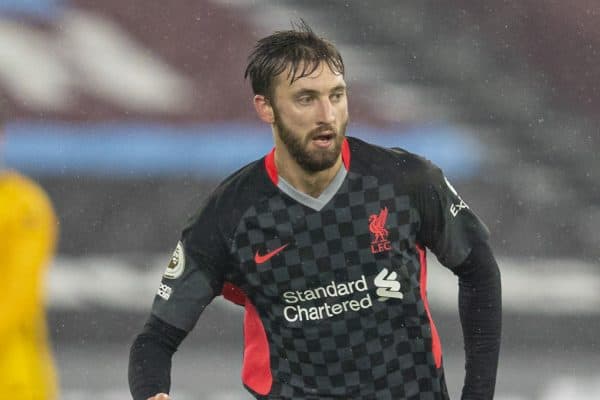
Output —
(378, 352)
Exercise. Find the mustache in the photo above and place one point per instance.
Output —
(330, 129)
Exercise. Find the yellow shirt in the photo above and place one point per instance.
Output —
(28, 232)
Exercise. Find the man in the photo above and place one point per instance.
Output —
(28, 232)
(323, 242)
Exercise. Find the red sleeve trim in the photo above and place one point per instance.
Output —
(436, 344)
(256, 370)
(234, 294)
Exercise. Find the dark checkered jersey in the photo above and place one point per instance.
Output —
(334, 287)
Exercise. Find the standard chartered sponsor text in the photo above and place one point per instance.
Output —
(295, 311)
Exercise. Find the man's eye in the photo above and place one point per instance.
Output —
(337, 96)
(304, 100)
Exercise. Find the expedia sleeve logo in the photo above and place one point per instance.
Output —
(177, 263)
(455, 207)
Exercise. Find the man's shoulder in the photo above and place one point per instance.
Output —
(23, 199)
(249, 179)
(393, 161)
(236, 193)
(18, 188)
(14, 179)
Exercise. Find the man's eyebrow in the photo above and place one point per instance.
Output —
(302, 92)
(313, 92)
(339, 88)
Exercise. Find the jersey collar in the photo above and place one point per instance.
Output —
(272, 168)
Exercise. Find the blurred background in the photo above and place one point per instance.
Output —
(129, 112)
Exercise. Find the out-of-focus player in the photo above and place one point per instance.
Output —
(28, 233)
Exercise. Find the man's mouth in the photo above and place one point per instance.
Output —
(324, 136)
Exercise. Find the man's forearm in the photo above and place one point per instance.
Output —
(480, 304)
(150, 359)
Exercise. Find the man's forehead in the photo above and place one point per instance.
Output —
(322, 76)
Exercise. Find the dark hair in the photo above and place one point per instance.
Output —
(299, 48)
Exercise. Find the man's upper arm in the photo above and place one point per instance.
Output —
(448, 225)
(195, 272)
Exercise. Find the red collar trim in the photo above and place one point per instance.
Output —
(346, 154)
(272, 168)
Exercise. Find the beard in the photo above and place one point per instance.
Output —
(297, 145)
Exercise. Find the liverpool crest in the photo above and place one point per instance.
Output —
(380, 242)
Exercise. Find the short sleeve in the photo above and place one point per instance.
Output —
(195, 272)
(448, 225)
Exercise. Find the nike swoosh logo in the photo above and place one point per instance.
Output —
(259, 259)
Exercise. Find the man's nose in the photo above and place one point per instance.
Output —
(326, 111)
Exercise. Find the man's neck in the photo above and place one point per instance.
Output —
(310, 183)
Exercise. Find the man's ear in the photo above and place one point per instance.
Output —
(264, 109)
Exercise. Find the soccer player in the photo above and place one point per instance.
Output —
(324, 243)
(28, 232)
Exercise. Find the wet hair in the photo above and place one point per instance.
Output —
(299, 48)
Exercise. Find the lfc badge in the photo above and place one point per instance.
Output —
(380, 243)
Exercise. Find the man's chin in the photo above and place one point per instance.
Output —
(323, 158)
(314, 165)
